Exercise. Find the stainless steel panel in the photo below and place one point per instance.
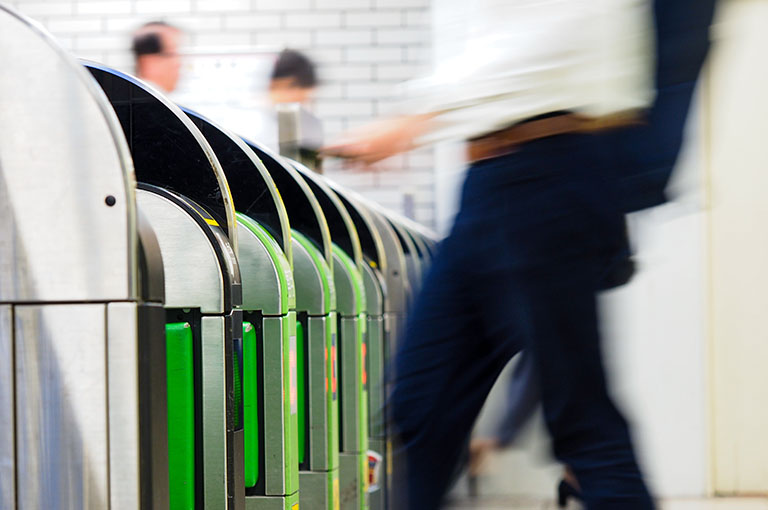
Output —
(374, 285)
(7, 420)
(62, 152)
(123, 397)
(310, 295)
(396, 274)
(394, 325)
(315, 490)
(214, 402)
(238, 498)
(375, 366)
(261, 283)
(275, 433)
(265, 503)
(319, 384)
(193, 275)
(137, 416)
(350, 385)
(61, 407)
(351, 485)
(412, 260)
(346, 301)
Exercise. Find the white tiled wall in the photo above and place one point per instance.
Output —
(364, 48)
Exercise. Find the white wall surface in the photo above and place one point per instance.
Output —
(738, 137)
(364, 48)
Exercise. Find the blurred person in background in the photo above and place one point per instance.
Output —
(573, 111)
(292, 83)
(155, 49)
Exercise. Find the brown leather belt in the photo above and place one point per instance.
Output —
(508, 140)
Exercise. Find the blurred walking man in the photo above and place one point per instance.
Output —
(566, 134)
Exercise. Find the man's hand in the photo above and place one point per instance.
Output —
(380, 140)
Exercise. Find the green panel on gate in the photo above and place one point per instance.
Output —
(250, 405)
(301, 390)
(181, 416)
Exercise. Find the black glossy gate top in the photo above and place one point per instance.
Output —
(339, 230)
(250, 192)
(367, 243)
(165, 153)
(302, 216)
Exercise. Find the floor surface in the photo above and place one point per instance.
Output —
(677, 504)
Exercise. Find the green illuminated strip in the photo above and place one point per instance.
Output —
(301, 391)
(250, 405)
(181, 416)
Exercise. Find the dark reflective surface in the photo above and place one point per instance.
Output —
(367, 242)
(300, 212)
(250, 192)
(340, 233)
(165, 153)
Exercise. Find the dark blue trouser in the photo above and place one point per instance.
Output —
(520, 269)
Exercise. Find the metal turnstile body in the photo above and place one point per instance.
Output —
(396, 287)
(271, 350)
(82, 392)
(202, 282)
(185, 196)
(353, 408)
(375, 365)
(318, 402)
(317, 323)
(269, 302)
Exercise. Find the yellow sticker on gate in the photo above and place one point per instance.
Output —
(336, 494)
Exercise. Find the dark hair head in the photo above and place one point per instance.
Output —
(147, 39)
(296, 65)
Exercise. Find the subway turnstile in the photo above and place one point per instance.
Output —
(271, 396)
(353, 408)
(317, 326)
(318, 381)
(272, 476)
(82, 360)
(348, 238)
(183, 345)
(185, 196)
(383, 248)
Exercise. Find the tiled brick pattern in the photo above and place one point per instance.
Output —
(364, 49)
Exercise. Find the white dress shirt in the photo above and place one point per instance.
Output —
(516, 59)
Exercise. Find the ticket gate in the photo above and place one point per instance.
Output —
(412, 260)
(382, 247)
(271, 396)
(317, 325)
(345, 234)
(184, 194)
(82, 386)
(224, 382)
